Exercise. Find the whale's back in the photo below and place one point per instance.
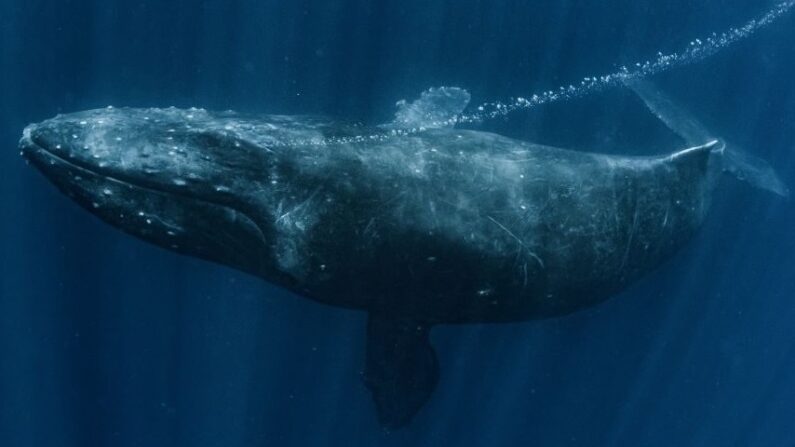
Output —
(457, 226)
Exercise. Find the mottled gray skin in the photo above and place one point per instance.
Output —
(442, 226)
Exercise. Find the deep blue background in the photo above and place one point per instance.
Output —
(105, 340)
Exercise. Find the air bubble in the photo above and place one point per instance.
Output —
(696, 51)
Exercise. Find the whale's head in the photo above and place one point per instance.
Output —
(183, 179)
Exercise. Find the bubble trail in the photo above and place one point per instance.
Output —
(696, 51)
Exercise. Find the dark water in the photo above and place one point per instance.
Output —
(105, 340)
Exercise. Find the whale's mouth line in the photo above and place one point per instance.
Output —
(36, 153)
(40, 155)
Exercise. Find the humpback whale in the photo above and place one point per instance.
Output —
(436, 226)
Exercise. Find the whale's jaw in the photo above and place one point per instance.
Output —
(176, 221)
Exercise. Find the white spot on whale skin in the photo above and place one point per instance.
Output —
(485, 292)
(180, 182)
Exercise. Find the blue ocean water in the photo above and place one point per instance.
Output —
(105, 340)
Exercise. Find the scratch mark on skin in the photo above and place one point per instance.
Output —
(368, 226)
(530, 252)
(381, 207)
(631, 236)
(298, 207)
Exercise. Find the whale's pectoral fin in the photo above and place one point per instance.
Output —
(435, 108)
(401, 370)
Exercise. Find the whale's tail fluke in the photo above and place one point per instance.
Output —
(755, 171)
(741, 164)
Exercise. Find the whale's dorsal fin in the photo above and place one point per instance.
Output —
(435, 108)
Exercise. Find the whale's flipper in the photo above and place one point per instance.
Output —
(742, 165)
(401, 368)
(436, 108)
